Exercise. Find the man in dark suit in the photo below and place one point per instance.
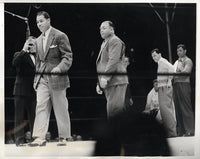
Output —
(54, 59)
(110, 63)
(24, 94)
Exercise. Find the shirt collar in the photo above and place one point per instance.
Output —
(181, 59)
(46, 33)
(160, 59)
(111, 36)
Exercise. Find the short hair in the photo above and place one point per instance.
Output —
(155, 50)
(155, 80)
(45, 14)
(181, 46)
(110, 24)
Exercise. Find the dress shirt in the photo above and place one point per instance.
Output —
(45, 36)
(152, 100)
(164, 67)
(102, 46)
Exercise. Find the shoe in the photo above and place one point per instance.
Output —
(20, 145)
(38, 142)
(19, 142)
(180, 135)
(70, 139)
(62, 142)
(188, 134)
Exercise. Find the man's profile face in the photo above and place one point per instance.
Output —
(181, 52)
(156, 56)
(155, 85)
(43, 24)
(105, 30)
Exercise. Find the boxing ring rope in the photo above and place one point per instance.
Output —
(91, 76)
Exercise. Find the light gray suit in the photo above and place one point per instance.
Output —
(110, 61)
(51, 90)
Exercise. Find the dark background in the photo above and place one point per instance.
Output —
(136, 24)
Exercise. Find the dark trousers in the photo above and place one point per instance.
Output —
(183, 107)
(23, 104)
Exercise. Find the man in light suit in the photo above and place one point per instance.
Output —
(53, 61)
(110, 63)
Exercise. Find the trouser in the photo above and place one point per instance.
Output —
(166, 109)
(23, 104)
(183, 106)
(116, 99)
(46, 98)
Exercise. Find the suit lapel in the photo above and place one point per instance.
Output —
(31, 61)
(28, 57)
(40, 48)
(101, 50)
(49, 41)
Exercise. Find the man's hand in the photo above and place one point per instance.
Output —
(103, 82)
(169, 83)
(98, 90)
(26, 46)
(154, 112)
(55, 71)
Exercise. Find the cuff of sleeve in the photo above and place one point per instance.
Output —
(24, 51)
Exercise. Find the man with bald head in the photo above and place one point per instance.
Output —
(112, 78)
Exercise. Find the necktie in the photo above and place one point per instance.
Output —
(32, 53)
(44, 42)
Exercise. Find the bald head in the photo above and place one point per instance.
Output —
(106, 29)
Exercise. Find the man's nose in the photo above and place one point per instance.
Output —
(39, 24)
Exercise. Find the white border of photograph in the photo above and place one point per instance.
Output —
(197, 102)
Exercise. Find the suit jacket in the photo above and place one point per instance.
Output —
(25, 72)
(57, 54)
(110, 61)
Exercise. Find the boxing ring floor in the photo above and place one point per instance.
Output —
(180, 146)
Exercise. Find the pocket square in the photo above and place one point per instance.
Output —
(52, 46)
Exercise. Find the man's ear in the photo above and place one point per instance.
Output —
(112, 30)
(49, 20)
